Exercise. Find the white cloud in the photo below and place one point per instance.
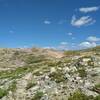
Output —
(93, 39)
(88, 9)
(48, 47)
(63, 43)
(70, 33)
(87, 44)
(83, 21)
(63, 46)
(47, 22)
(91, 42)
(73, 38)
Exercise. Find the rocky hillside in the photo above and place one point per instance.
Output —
(44, 74)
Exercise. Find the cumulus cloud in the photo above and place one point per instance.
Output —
(93, 39)
(87, 44)
(82, 21)
(88, 9)
(47, 22)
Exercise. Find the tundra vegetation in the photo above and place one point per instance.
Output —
(45, 74)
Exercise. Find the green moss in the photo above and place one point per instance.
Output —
(38, 96)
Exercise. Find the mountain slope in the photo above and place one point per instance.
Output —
(44, 74)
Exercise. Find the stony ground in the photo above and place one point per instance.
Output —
(42, 74)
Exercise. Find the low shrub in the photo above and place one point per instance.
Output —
(2, 93)
(57, 77)
(38, 96)
(78, 95)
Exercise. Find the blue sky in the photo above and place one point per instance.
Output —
(61, 24)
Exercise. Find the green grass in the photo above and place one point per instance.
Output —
(33, 59)
(78, 95)
(97, 97)
(18, 72)
(71, 53)
(4, 92)
(97, 85)
(12, 87)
